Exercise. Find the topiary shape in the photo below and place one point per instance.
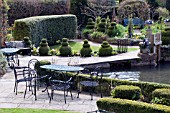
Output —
(27, 42)
(90, 24)
(65, 49)
(44, 48)
(86, 49)
(111, 29)
(105, 49)
(101, 27)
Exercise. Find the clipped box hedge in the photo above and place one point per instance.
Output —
(52, 27)
(146, 87)
(127, 92)
(129, 106)
(161, 96)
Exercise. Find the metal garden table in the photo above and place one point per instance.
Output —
(64, 69)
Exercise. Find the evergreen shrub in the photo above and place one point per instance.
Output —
(65, 49)
(126, 92)
(27, 42)
(118, 105)
(44, 48)
(53, 27)
(41, 71)
(87, 32)
(166, 37)
(101, 27)
(86, 49)
(90, 24)
(161, 96)
(105, 49)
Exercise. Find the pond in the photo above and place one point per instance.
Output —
(159, 74)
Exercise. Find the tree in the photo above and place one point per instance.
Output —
(3, 21)
(163, 12)
(168, 4)
(75, 8)
(136, 8)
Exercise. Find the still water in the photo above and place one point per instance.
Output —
(159, 74)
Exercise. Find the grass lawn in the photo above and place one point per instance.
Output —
(76, 46)
(23, 110)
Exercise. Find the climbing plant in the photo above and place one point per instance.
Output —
(3, 21)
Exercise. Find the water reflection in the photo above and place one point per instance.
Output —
(124, 75)
(159, 74)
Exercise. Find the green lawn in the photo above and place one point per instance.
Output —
(76, 46)
(23, 110)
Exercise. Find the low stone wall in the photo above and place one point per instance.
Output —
(146, 59)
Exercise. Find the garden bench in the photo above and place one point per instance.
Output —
(136, 22)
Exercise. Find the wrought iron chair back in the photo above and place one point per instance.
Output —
(60, 81)
(93, 81)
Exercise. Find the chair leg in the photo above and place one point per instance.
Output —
(51, 96)
(71, 94)
(16, 88)
(65, 96)
(78, 94)
(35, 90)
(48, 93)
(91, 93)
(25, 90)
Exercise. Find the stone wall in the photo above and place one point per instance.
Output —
(165, 54)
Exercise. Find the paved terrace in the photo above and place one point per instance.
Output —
(8, 99)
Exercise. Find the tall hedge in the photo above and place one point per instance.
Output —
(27, 8)
(53, 27)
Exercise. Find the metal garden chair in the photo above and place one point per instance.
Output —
(93, 81)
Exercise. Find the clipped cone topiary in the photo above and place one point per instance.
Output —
(101, 27)
(44, 48)
(105, 49)
(65, 49)
(86, 49)
(90, 24)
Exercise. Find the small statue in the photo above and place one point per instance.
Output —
(146, 43)
(146, 48)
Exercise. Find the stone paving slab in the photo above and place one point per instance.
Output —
(8, 99)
